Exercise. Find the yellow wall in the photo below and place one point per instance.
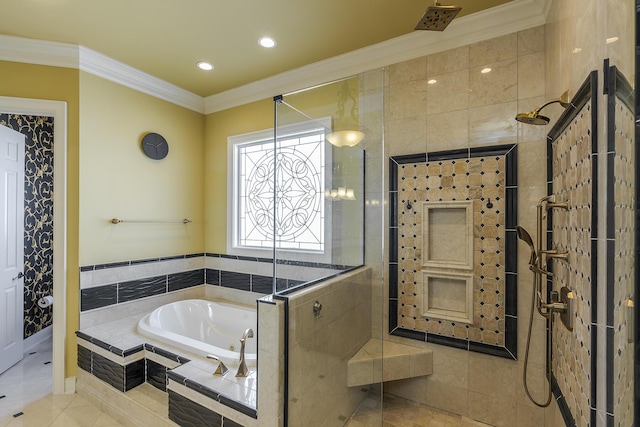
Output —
(120, 181)
(58, 84)
(234, 121)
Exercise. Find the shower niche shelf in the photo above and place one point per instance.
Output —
(448, 296)
(447, 234)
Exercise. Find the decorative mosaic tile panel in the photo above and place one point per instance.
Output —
(481, 178)
(477, 179)
(572, 181)
(38, 216)
(623, 177)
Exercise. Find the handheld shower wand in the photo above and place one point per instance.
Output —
(536, 297)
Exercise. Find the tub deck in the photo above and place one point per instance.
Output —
(115, 353)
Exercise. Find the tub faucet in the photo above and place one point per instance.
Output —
(221, 369)
(242, 369)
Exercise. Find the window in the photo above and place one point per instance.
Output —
(299, 185)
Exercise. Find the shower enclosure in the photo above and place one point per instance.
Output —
(317, 198)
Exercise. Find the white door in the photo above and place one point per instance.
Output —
(12, 241)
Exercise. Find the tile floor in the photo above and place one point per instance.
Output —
(398, 412)
(26, 388)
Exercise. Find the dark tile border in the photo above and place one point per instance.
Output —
(108, 347)
(569, 421)
(509, 350)
(213, 394)
(116, 293)
(213, 255)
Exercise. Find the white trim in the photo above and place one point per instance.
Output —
(505, 19)
(103, 66)
(41, 52)
(57, 110)
(70, 385)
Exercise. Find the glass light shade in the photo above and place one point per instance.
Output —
(345, 138)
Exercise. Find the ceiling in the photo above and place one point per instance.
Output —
(165, 38)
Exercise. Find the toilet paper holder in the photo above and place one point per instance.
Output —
(46, 301)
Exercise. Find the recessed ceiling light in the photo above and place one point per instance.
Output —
(432, 81)
(577, 50)
(612, 40)
(204, 65)
(267, 42)
(485, 70)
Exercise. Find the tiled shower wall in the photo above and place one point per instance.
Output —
(38, 216)
(622, 277)
(572, 157)
(466, 109)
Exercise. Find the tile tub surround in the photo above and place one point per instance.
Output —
(106, 285)
(486, 177)
(117, 355)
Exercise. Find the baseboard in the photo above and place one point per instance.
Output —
(30, 342)
(70, 385)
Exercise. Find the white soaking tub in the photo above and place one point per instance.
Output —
(204, 327)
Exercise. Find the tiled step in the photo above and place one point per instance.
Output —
(144, 406)
(387, 361)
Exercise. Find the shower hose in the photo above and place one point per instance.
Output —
(549, 340)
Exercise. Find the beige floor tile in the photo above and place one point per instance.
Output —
(78, 416)
(105, 420)
(43, 416)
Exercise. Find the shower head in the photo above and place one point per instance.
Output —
(526, 237)
(437, 17)
(535, 118)
(532, 118)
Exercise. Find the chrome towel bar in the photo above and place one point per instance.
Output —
(151, 221)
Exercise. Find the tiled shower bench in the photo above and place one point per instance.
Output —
(189, 393)
(387, 361)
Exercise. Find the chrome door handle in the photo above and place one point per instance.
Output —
(19, 276)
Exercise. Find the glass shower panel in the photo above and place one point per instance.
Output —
(329, 212)
(319, 182)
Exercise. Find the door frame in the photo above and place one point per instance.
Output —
(57, 110)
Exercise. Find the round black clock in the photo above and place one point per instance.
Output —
(155, 146)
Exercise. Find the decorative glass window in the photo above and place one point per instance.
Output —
(298, 187)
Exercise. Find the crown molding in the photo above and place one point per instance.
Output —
(40, 52)
(515, 16)
(108, 68)
(55, 54)
(506, 19)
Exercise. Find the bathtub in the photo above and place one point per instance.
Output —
(204, 327)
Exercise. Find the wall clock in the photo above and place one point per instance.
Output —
(155, 146)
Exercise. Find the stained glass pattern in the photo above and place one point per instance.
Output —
(298, 188)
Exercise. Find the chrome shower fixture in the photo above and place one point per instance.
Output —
(437, 17)
(535, 118)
